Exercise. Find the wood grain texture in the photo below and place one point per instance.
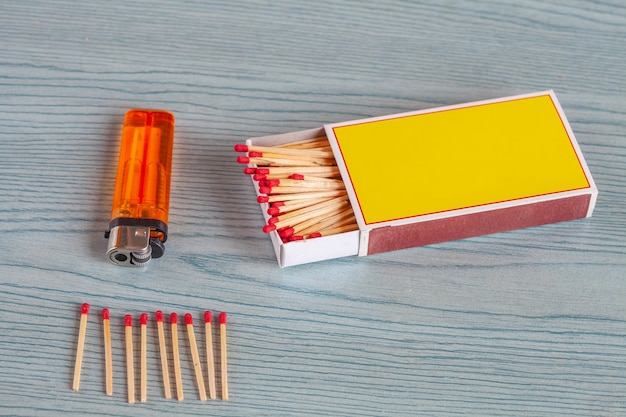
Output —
(530, 322)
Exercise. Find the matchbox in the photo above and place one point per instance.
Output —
(448, 173)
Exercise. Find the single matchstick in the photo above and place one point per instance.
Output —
(82, 330)
(143, 320)
(310, 153)
(223, 361)
(300, 196)
(108, 362)
(163, 351)
(208, 331)
(285, 162)
(304, 188)
(308, 183)
(195, 356)
(319, 171)
(130, 367)
(176, 356)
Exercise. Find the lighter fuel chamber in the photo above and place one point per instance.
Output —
(138, 226)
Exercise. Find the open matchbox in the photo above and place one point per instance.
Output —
(448, 173)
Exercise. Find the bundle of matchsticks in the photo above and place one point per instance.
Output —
(165, 364)
(302, 186)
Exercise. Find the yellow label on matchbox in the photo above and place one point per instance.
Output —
(458, 157)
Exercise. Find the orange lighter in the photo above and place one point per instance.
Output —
(138, 225)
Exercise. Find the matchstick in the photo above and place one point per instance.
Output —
(176, 356)
(319, 153)
(163, 352)
(208, 331)
(130, 367)
(309, 170)
(195, 356)
(82, 330)
(284, 161)
(314, 182)
(304, 188)
(223, 361)
(108, 362)
(300, 196)
(143, 396)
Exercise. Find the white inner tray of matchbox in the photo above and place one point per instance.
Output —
(308, 250)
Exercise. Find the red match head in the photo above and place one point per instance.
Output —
(105, 314)
(208, 317)
(159, 316)
(249, 170)
(128, 320)
(269, 228)
(222, 318)
(174, 318)
(262, 199)
(314, 235)
(286, 232)
(252, 154)
(272, 211)
(243, 159)
(143, 319)
(296, 176)
(265, 190)
(188, 318)
(240, 147)
(85, 309)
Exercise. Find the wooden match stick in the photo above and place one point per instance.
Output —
(143, 396)
(195, 356)
(176, 356)
(82, 330)
(300, 196)
(285, 162)
(163, 351)
(308, 183)
(310, 153)
(322, 159)
(310, 170)
(223, 361)
(304, 188)
(108, 362)
(130, 367)
(208, 331)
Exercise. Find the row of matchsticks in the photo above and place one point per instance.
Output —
(130, 368)
(301, 184)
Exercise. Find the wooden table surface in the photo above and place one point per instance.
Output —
(529, 322)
